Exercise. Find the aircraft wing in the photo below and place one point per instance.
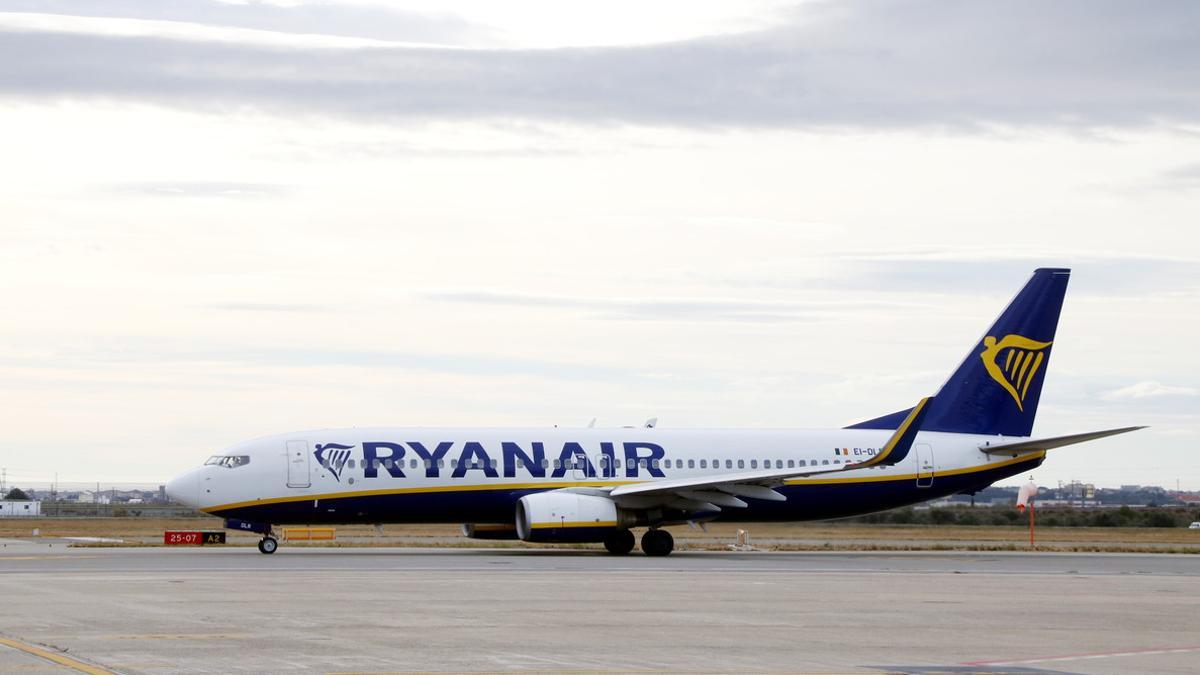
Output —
(708, 493)
(1034, 444)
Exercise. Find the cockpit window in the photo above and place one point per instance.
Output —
(228, 461)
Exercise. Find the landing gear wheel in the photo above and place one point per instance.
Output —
(657, 543)
(268, 545)
(619, 542)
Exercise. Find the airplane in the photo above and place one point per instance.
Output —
(594, 485)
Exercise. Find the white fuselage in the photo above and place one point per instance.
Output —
(426, 474)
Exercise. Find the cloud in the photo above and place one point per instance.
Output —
(1149, 389)
(355, 20)
(270, 307)
(975, 271)
(659, 309)
(203, 189)
(1183, 176)
(908, 64)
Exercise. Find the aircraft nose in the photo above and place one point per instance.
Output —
(185, 489)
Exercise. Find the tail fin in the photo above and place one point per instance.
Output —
(996, 389)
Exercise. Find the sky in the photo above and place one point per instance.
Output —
(220, 220)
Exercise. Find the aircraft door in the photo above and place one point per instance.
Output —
(925, 468)
(297, 464)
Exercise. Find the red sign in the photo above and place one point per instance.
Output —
(188, 538)
(178, 538)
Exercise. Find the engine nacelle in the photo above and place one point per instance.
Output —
(489, 531)
(566, 517)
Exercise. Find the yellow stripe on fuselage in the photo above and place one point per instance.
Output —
(912, 476)
(571, 523)
(416, 490)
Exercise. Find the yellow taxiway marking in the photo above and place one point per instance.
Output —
(53, 657)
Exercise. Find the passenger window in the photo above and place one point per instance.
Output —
(824, 461)
(351, 463)
(729, 464)
(791, 463)
(520, 463)
(800, 462)
(754, 464)
(454, 464)
(704, 464)
(441, 463)
(428, 464)
(642, 463)
(617, 463)
(375, 464)
(741, 463)
(692, 463)
(387, 464)
(545, 463)
(557, 464)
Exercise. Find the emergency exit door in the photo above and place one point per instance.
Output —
(297, 464)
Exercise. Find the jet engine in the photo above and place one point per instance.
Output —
(561, 517)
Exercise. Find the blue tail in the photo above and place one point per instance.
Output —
(996, 388)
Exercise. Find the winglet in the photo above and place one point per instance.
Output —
(898, 445)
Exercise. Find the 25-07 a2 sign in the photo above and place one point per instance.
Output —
(192, 538)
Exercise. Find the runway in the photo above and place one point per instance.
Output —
(376, 610)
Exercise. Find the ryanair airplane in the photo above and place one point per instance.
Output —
(596, 485)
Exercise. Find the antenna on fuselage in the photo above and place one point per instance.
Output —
(651, 423)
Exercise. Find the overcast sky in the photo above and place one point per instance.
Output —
(220, 220)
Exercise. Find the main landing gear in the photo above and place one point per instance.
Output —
(657, 543)
(619, 542)
(268, 544)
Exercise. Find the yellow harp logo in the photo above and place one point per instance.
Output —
(1012, 362)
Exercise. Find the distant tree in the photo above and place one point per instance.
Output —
(1160, 519)
(17, 494)
(968, 518)
(941, 516)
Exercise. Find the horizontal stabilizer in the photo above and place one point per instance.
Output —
(1049, 443)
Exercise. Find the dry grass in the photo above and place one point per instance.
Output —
(768, 536)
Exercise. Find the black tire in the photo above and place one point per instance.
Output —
(268, 545)
(657, 543)
(619, 542)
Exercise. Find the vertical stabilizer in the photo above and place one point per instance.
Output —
(996, 389)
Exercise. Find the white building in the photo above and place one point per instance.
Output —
(16, 509)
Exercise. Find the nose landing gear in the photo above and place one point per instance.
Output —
(268, 544)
